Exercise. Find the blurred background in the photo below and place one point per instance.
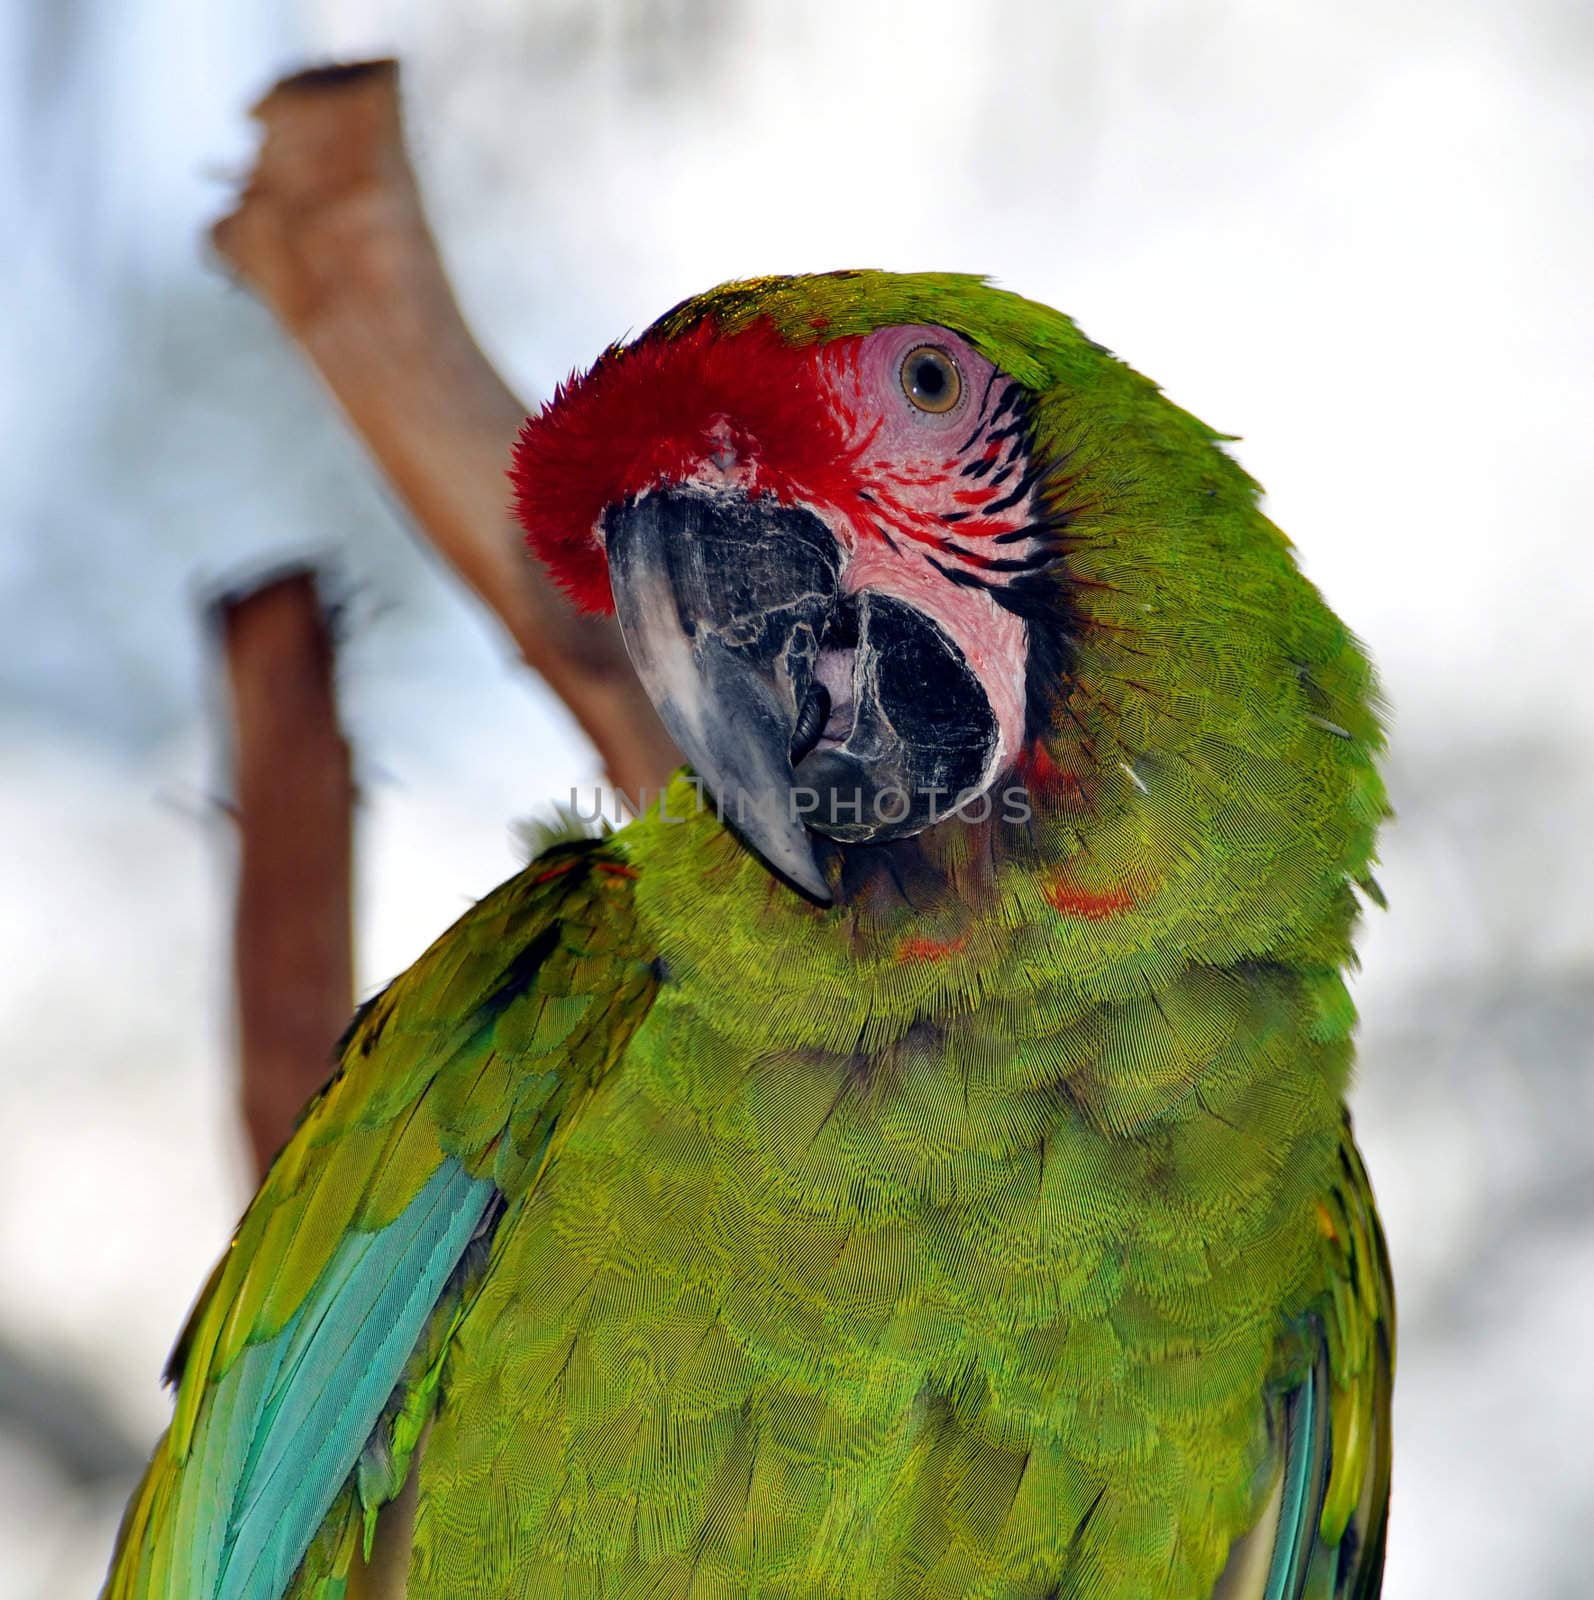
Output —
(1358, 236)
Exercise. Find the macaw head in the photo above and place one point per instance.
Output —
(864, 533)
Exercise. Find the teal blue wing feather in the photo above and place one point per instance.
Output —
(305, 1372)
(1322, 1532)
(346, 1348)
(1304, 1483)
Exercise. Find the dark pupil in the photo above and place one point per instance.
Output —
(929, 379)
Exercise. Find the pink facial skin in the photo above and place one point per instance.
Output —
(909, 468)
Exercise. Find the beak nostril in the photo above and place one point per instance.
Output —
(811, 721)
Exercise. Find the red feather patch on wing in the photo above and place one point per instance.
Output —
(656, 411)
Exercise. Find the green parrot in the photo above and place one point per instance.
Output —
(910, 1159)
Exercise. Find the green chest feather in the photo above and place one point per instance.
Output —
(799, 1321)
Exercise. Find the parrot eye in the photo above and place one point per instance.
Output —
(931, 380)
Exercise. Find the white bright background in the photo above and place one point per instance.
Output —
(1358, 235)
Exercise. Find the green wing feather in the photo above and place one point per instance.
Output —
(1321, 1534)
(1361, 1342)
(309, 1365)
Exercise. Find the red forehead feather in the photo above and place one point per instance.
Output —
(650, 414)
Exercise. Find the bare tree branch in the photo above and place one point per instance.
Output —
(330, 233)
(294, 794)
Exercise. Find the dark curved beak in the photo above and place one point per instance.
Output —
(722, 603)
(802, 708)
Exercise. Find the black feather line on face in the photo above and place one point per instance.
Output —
(981, 422)
(958, 575)
(1011, 396)
(1037, 561)
(1020, 490)
(1033, 586)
